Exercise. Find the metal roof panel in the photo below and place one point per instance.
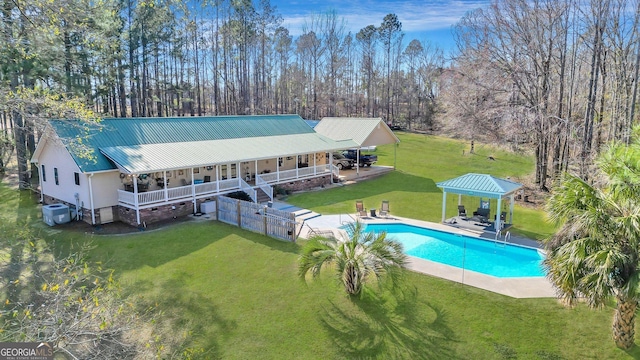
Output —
(485, 184)
(144, 131)
(179, 155)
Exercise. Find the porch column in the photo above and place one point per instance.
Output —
(444, 204)
(314, 164)
(331, 165)
(255, 172)
(217, 178)
(166, 191)
(278, 169)
(193, 192)
(135, 197)
(238, 174)
(358, 165)
(498, 213)
(297, 161)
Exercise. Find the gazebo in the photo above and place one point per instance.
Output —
(481, 185)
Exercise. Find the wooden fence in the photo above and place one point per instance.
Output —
(257, 218)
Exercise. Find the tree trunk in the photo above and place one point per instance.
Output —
(351, 281)
(624, 321)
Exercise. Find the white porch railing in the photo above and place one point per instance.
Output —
(179, 192)
(335, 171)
(293, 174)
(221, 186)
(264, 186)
(248, 189)
(126, 197)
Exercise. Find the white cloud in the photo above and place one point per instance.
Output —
(415, 15)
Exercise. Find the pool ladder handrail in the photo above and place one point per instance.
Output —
(507, 237)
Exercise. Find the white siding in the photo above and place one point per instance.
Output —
(54, 156)
(105, 189)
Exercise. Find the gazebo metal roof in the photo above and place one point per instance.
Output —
(481, 185)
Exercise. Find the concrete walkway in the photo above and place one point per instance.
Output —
(526, 287)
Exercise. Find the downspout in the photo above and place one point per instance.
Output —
(41, 184)
(93, 213)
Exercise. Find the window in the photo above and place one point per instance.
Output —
(43, 173)
(55, 176)
(76, 178)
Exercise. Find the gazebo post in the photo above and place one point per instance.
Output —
(511, 202)
(498, 213)
(444, 204)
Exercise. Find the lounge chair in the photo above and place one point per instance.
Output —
(482, 215)
(462, 212)
(360, 211)
(384, 208)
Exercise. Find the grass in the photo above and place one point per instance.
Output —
(421, 162)
(236, 295)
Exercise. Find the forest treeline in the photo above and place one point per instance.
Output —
(556, 75)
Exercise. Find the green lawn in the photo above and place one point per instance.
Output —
(236, 294)
(421, 162)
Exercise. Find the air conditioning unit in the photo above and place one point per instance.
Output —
(55, 214)
(208, 207)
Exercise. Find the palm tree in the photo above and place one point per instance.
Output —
(356, 259)
(596, 253)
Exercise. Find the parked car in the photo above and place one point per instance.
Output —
(341, 162)
(356, 155)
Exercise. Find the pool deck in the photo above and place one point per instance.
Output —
(527, 287)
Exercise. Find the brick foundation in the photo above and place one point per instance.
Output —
(84, 212)
(305, 184)
(176, 210)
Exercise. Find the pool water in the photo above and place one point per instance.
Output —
(483, 256)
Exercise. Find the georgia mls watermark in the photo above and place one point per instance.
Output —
(26, 351)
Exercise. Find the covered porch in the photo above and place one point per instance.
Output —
(154, 176)
(255, 178)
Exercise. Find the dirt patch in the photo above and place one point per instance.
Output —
(530, 195)
(119, 228)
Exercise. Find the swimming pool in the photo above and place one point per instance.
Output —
(483, 256)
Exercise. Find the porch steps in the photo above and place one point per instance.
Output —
(304, 214)
(263, 198)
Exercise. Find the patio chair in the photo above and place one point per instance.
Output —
(482, 215)
(384, 208)
(462, 212)
(360, 211)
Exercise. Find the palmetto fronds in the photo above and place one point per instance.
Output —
(596, 253)
(358, 259)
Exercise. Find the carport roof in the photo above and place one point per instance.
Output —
(364, 131)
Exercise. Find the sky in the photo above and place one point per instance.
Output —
(425, 20)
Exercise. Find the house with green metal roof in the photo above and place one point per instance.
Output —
(142, 170)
